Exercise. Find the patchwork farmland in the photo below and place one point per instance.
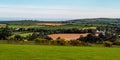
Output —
(59, 41)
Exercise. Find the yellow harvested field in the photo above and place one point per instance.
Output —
(50, 24)
(67, 37)
(2, 24)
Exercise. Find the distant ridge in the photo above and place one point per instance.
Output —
(87, 20)
(96, 20)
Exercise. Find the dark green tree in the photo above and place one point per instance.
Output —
(33, 36)
(113, 38)
(5, 33)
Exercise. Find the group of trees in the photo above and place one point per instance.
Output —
(98, 39)
(5, 33)
(89, 39)
(54, 31)
(111, 29)
(40, 36)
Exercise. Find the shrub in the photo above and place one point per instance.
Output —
(108, 44)
(9, 40)
(61, 42)
(75, 43)
(48, 38)
(40, 41)
(87, 44)
(117, 42)
(18, 37)
(58, 41)
(32, 37)
(53, 42)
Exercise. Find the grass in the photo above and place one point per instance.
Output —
(25, 26)
(79, 26)
(22, 34)
(76, 25)
(36, 52)
(66, 27)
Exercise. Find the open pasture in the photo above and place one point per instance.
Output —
(33, 52)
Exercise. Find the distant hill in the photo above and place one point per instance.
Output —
(20, 22)
(96, 20)
(91, 21)
(25, 22)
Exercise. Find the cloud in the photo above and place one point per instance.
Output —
(28, 11)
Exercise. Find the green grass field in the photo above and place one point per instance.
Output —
(22, 34)
(19, 26)
(37, 52)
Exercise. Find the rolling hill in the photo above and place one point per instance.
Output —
(89, 21)
(96, 20)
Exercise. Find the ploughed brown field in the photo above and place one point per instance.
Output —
(67, 37)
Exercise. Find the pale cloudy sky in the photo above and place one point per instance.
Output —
(71, 9)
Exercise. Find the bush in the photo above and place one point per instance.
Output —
(58, 41)
(75, 43)
(87, 44)
(10, 40)
(108, 44)
(61, 41)
(116, 43)
(18, 37)
(40, 41)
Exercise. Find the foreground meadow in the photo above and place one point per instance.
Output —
(33, 52)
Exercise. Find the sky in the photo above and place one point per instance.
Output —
(59, 9)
